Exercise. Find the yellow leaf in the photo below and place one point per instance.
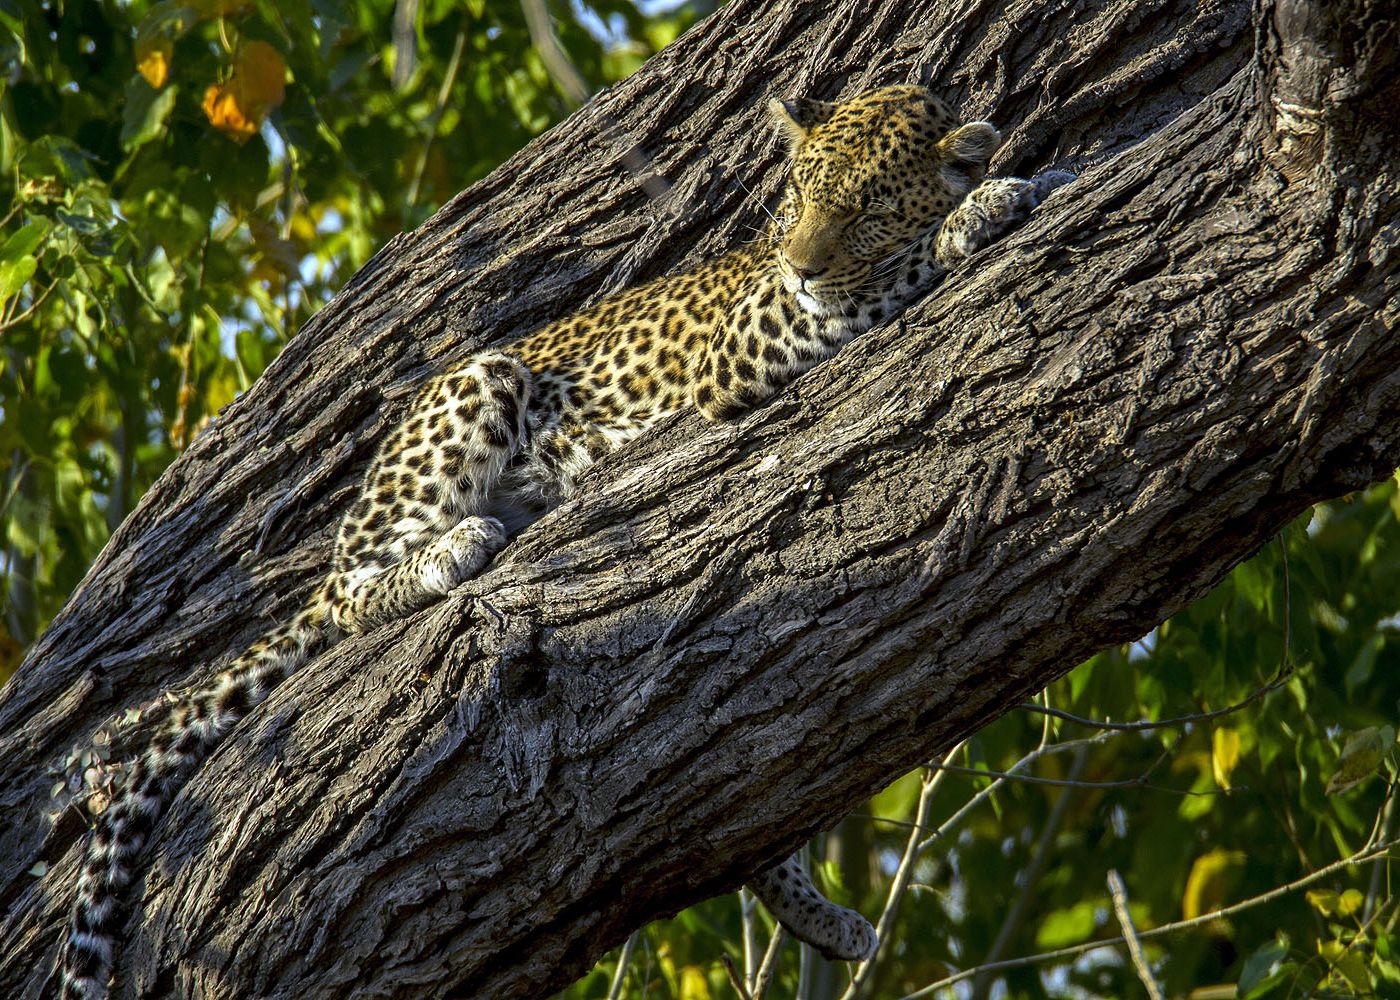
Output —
(303, 227)
(220, 391)
(222, 110)
(1349, 902)
(1349, 963)
(153, 61)
(262, 76)
(1225, 754)
(1211, 879)
(694, 986)
(1324, 901)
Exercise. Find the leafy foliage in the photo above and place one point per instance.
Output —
(183, 185)
(1196, 816)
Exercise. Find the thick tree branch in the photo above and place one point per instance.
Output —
(735, 632)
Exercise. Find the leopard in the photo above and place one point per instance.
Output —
(886, 192)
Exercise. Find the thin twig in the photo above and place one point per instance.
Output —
(1205, 918)
(1012, 772)
(1333, 963)
(444, 92)
(405, 42)
(1029, 878)
(1285, 671)
(900, 883)
(1139, 782)
(770, 964)
(735, 980)
(1119, 892)
(1382, 830)
(1145, 725)
(748, 925)
(1286, 664)
(574, 87)
(623, 961)
(556, 61)
(29, 310)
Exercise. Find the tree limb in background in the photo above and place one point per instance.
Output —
(561, 68)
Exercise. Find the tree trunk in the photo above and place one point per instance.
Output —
(734, 633)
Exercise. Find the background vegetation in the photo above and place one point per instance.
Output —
(181, 186)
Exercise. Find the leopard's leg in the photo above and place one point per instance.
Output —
(419, 527)
(423, 578)
(760, 345)
(797, 904)
(562, 447)
(989, 212)
(413, 534)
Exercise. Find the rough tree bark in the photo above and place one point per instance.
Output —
(737, 632)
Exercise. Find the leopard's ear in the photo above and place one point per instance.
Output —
(798, 117)
(971, 146)
(963, 154)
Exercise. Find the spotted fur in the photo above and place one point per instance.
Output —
(883, 196)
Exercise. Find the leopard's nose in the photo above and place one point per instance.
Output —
(805, 272)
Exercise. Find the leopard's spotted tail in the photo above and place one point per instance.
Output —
(836, 932)
(194, 728)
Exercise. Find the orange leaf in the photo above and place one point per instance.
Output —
(238, 106)
(261, 75)
(222, 110)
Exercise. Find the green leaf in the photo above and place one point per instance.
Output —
(1348, 962)
(146, 111)
(1333, 904)
(1358, 761)
(24, 241)
(1364, 664)
(1350, 902)
(1071, 925)
(169, 19)
(55, 156)
(1261, 969)
(1387, 971)
(85, 225)
(898, 798)
(14, 274)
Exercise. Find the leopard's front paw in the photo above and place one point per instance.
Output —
(1049, 181)
(472, 542)
(993, 209)
(460, 554)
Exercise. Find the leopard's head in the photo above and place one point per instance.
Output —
(869, 176)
